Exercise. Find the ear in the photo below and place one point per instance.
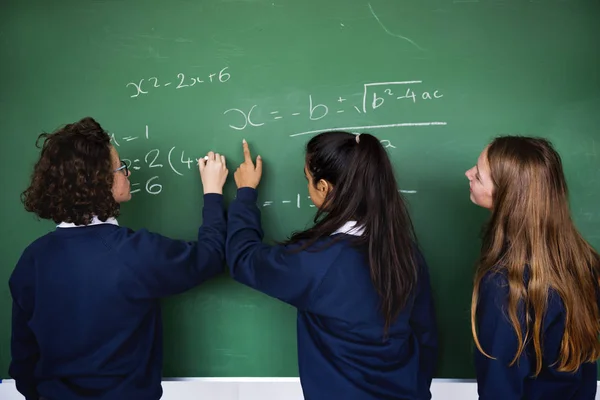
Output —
(323, 188)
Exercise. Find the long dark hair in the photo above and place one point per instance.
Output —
(365, 190)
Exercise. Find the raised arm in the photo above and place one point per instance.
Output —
(162, 266)
(274, 270)
(277, 271)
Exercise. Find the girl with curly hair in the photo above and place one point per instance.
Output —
(86, 320)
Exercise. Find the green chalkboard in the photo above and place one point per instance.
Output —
(435, 80)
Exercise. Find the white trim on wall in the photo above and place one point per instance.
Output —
(263, 389)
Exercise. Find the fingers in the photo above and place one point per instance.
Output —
(223, 160)
(202, 164)
(259, 164)
(247, 156)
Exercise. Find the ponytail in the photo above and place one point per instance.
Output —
(365, 190)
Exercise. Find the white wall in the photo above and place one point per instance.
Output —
(262, 389)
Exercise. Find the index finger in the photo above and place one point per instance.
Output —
(247, 156)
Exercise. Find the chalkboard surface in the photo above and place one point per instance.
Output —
(435, 80)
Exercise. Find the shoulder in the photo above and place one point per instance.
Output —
(495, 281)
(24, 270)
(323, 249)
(493, 291)
(319, 258)
(122, 237)
(36, 248)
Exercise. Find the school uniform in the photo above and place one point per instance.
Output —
(496, 379)
(342, 352)
(86, 318)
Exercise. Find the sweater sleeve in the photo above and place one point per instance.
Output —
(496, 378)
(162, 266)
(24, 346)
(277, 271)
(423, 323)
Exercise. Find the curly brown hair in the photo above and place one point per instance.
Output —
(72, 181)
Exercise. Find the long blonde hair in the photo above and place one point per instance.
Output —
(531, 230)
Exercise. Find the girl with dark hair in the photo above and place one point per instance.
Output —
(535, 312)
(86, 320)
(366, 325)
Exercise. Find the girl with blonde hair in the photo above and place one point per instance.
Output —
(534, 312)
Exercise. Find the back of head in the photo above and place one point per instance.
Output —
(72, 180)
(532, 236)
(364, 190)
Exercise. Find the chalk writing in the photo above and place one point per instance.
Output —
(375, 95)
(115, 142)
(181, 81)
(176, 161)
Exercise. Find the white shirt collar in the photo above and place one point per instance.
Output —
(350, 228)
(95, 221)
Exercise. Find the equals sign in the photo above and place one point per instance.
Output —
(136, 190)
(267, 203)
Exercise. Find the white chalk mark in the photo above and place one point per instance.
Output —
(387, 143)
(286, 201)
(357, 109)
(146, 131)
(296, 114)
(408, 191)
(136, 190)
(342, 24)
(114, 139)
(274, 112)
(367, 85)
(171, 164)
(278, 117)
(393, 34)
(405, 124)
(167, 84)
(267, 203)
(136, 167)
(340, 111)
(310, 205)
(129, 138)
(391, 83)
(298, 200)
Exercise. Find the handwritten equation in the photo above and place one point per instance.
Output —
(375, 95)
(297, 200)
(143, 86)
(174, 161)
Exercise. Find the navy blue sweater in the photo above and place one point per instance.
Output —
(86, 314)
(496, 379)
(341, 350)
